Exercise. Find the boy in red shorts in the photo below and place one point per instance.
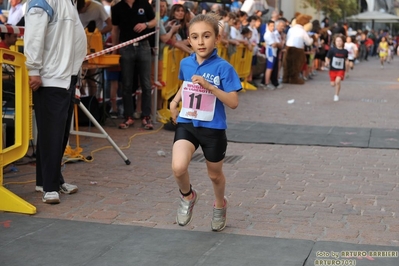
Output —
(336, 59)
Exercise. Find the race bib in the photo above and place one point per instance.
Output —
(338, 63)
(197, 102)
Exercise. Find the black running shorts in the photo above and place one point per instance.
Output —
(212, 141)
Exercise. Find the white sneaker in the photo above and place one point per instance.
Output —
(270, 87)
(51, 197)
(64, 188)
(68, 188)
(336, 98)
(280, 86)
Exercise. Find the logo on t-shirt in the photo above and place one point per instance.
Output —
(141, 11)
(212, 78)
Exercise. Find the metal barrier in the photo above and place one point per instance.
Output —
(170, 74)
(23, 129)
(241, 60)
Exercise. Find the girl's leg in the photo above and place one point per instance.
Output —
(337, 85)
(181, 156)
(347, 66)
(216, 175)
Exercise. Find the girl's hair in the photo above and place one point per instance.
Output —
(210, 18)
(339, 35)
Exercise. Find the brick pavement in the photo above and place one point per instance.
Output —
(284, 191)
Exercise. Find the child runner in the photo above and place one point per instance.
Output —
(383, 50)
(209, 83)
(336, 59)
(352, 54)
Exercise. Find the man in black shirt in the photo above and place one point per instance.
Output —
(132, 19)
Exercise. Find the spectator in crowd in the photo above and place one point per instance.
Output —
(235, 6)
(164, 37)
(94, 11)
(235, 32)
(15, 13)
(280, 37)
(53, 67)
(181, 16)
(215, 8)
(271, 52)
(226, 37)
(3, 19)
(93, 16)
(254, 23)
(7, 40)
(325, 23)
(243, 17)
(252, 7)
(163, 10)
(132, 19)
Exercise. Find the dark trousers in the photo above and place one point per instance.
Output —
(274, 75)
(136, 61)
(53, 111)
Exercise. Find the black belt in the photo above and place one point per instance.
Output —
(140, 43)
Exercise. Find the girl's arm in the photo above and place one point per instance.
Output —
(228, 98)
(174, 112)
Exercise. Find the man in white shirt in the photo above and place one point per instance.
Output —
(16, 13)
(294, 57)
(94, 11)
(251, 7)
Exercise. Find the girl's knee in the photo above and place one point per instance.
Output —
(179, 169)
(216, 177)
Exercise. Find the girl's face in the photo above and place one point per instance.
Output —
(339, 42)
(203, 40)
(383, 39)
(348, 39)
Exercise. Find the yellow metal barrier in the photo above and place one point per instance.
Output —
(170, 74)
(23, 130)
(19, 43)
(222, 51)
(241, 60)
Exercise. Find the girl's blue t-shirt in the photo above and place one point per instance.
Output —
(219, 73)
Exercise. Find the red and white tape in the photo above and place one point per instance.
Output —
(118, 46)
(12, 29)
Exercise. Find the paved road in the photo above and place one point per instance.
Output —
(284, 191)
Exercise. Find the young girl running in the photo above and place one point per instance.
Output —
(209, 83)
(336, 59)
(352, 54)
(383, 50)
